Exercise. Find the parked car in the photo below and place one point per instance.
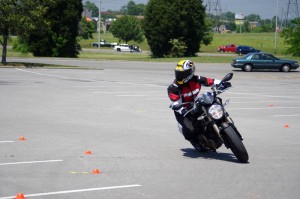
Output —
(127, 48)
(103, 43)
(122, 47)
(262, 60)
(113, 44)
(242, 50)
(96, 44)
(228, 48)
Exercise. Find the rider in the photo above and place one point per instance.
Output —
(185, 88)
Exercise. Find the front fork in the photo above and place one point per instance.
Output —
(228, 122)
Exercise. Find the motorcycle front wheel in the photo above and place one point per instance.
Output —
(236, 145)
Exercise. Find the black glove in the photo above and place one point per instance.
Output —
(224, 85)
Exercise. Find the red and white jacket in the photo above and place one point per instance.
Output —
(188, 92)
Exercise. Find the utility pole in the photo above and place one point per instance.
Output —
(99, 25)
(276, 25)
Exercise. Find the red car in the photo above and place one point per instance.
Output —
(228, 48)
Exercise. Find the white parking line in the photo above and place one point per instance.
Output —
(29, 162)
(91, 80)
(269, 108)
(264, 95)
(6, 142)
(63, 77)
(296, 115)
(75, 191)
(116, 92)
(158, 98)
(252, 102)
(131, 95)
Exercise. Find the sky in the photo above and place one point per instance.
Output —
(265, 8)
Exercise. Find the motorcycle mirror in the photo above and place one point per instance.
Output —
(227, 77)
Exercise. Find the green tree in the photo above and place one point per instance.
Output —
(178, 48)
(252, 17)
(231, 25)
(92, 8)
(127, 28)
(7, 21)
(109, 15)
(291, 37)
(229, 16)
(21, 17)
(60, 39)
(133, 9)
(208, 35)
(86, 29)
(166, 20)
(266, 26)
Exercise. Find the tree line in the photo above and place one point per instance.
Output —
(172, 28)
(44, 27)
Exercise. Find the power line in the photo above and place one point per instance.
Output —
(213, 7)
(292, 11)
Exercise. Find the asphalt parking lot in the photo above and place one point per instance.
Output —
(119, 112)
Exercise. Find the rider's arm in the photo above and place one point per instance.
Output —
(173, 92)
(175, 97)
(207, 81)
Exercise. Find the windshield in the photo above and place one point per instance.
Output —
(247, 56)
(274, 57)
(206, 98)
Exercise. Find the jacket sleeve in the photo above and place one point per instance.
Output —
(175, 97)
(207, 81)
(173, 92)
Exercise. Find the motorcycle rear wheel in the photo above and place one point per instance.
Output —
(236, 145)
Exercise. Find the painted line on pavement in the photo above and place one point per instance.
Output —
(116, 92)
(6, 142)
(30, 162)
(131, 95)
(57, 76)
(75, 191)
(264, 95)
(90, 80)
(269, 108)
(43, 74)
(159, 98)
(252, 102)
(296, 115)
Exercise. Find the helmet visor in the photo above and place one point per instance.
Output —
(182, 75)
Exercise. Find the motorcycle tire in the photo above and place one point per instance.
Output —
(236, 145)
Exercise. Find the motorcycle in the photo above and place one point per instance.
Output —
(214, 127)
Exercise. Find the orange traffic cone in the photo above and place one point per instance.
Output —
(286, 126)
(20, 196)
(96, 171)
(22, 138)
(88, 152)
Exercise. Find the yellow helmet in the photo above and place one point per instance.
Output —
(184, 71)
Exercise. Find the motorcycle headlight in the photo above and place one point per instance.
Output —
(216, 111)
